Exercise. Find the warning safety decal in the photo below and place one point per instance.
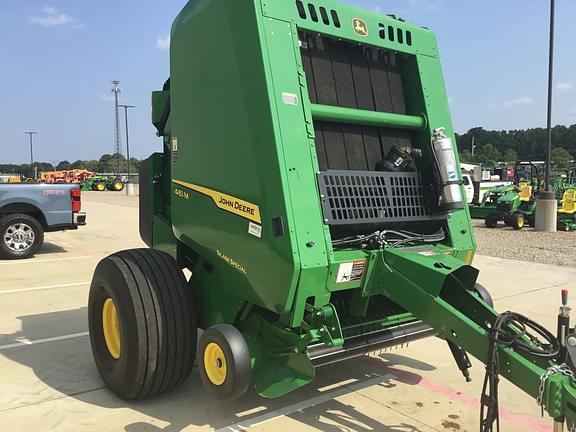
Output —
(350, 271)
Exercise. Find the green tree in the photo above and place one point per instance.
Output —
(489, 153)
(63, 165)
(561, 158)
(510, 155)
(466, 156)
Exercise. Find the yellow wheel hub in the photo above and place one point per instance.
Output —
(111, 328)
(521, 221)
(100, 187)
(215, 363)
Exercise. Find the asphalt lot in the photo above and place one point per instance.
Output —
(49, 382)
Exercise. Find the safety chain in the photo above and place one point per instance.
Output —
(553, 370)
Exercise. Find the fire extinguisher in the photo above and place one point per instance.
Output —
(447, 170)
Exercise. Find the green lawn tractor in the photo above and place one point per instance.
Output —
(517, 205)
(307, 208)
(489, 202)
(102, 183)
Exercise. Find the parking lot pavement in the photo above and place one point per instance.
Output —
(49, 381)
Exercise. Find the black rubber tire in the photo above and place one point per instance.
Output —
(10, 219)
(484, 294)
(518, 221)
(237, 355)
(157, 323)
(491, 221)
(117, 186)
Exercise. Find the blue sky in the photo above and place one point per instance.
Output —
(58, 58)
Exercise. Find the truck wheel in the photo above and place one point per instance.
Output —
(142, 323)
(224, 362)
(20, 236)
(518, 221)
(491, 221)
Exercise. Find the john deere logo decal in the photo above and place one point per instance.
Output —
(360, 27)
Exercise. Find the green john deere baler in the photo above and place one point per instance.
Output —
(307, 208)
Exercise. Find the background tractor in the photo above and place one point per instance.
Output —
(489, 202)
(517, 205)
(307, 208)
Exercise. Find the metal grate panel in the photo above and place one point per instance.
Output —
(352, 197)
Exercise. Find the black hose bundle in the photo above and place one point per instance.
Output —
(524, 336)
(390, 238)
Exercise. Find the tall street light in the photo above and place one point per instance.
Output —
(30, 134)
(127, 143)
(546, 205)
(116, 91)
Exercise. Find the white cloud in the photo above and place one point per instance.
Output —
(163, 43)
(524, 100)
(566, 86)
(51, 17)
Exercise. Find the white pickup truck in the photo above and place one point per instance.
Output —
(484, 187)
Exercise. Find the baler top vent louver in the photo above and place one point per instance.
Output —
(395, 34)
(371, 197)
(314, 14)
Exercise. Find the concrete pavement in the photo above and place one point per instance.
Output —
(49, 382)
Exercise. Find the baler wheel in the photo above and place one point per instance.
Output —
(484, 294)
(142, 323)
(225, 367)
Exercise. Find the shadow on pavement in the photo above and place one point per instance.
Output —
(66, 367)
(50, 248)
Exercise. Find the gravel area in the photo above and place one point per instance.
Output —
(557, 248)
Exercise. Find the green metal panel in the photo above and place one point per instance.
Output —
(230, 147)
(422, 39)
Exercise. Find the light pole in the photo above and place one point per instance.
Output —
(550, 81)
(30, 134)
(546, 205)
(116, 92)
(127, 143)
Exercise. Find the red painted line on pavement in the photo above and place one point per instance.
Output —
(528, 423)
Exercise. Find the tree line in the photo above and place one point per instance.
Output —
(513, 145)
(108, 163)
